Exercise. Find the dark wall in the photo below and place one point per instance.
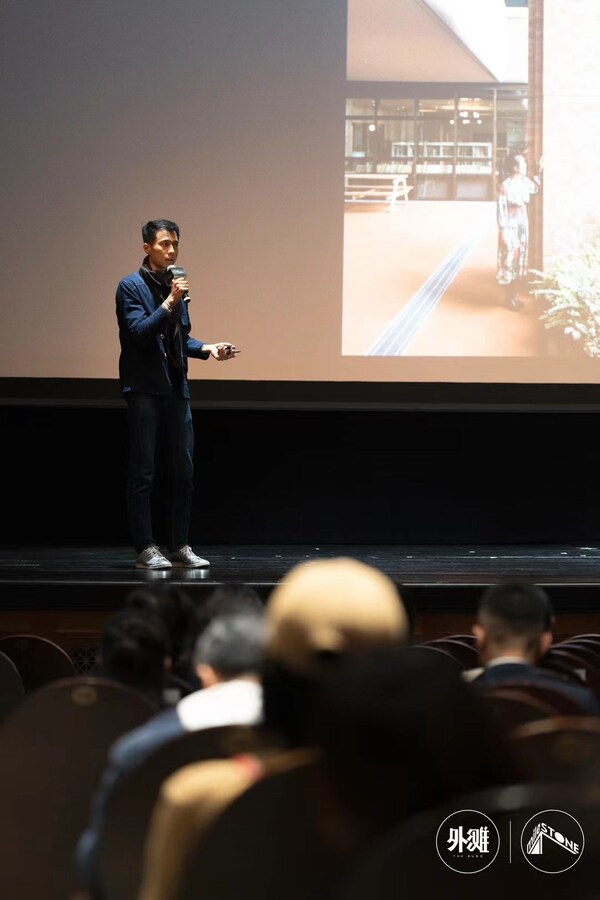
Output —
(315, 477)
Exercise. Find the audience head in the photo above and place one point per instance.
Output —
(230, 646)
(322, 612)
(229, 598)
(178, 612)
(325, 609)
(401, 733)
(134, 650)
(514, 619)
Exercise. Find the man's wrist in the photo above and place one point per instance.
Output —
(168, 306)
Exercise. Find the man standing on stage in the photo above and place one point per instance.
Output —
(154, 332)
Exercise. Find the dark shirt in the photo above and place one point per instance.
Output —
(161, 289)
(516, 671)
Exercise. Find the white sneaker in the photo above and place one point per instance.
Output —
(185, 558)
(152, 558)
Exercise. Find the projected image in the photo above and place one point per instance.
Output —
(382, 179)
(449, 249)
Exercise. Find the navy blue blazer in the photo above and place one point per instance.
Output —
(514, 671)
(143, 366)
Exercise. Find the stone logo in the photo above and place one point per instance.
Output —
(552, 841)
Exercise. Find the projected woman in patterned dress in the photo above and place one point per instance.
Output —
(513, 224)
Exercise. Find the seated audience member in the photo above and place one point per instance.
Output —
(179, 614)
(227, 657)
(399, 734)
(320, 614)
(513, 631)
(185, 619)
(134, 650)
(227, 598)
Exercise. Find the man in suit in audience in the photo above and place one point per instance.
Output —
(513, 632)
(322, 613)
(227, 657)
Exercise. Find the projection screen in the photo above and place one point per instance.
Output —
(338, 170)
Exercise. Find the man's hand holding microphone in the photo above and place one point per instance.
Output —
(177, 279)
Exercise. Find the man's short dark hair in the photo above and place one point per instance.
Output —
(134, 645)
(520, 608)
(227, 599)
(232, 644)
(177, 610)
(151, 229)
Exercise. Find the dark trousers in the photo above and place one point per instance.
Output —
(165, 424)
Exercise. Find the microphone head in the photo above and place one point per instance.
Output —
(175, 272)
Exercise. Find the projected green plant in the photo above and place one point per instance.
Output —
(571, 290)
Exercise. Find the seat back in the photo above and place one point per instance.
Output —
(466, 654)
(567, 669)
(121, 848)
(591, 636)
(11, 686)
(38, 659)
(572, 659)
(469, 639)
(560, 702)
(54, 748)
(564, 749)
(272, 836)
(588, 653)
(442, 654)
(579, 662)
(585, 645)
(510, 707)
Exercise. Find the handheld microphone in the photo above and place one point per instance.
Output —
(177, 272)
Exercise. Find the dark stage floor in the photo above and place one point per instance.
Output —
(78, 577)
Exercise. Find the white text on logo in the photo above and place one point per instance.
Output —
(476, 839)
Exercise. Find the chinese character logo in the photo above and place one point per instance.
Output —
(475, 839)
(552, 841)
(467, 841)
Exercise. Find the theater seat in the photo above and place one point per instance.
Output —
(562, 749)
(511, 707)
(38, 659)
(272, 835)
(11, 686)
(53, 749)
